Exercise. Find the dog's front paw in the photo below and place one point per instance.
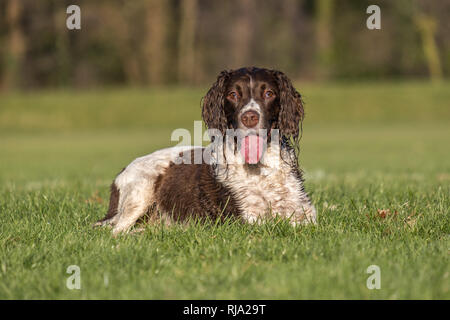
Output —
(307, 215)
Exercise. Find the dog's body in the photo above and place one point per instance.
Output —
(250, 185)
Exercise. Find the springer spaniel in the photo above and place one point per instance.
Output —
(249, 171)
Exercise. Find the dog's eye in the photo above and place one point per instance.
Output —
(268, 94)
(233, 95)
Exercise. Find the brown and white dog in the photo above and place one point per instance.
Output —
(250, 176)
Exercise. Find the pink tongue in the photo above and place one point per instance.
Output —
(252, 149)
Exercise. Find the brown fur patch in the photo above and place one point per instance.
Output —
(191, 190)
(113, 201)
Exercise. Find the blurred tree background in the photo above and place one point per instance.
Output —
(160, 42)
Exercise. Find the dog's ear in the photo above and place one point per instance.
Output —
(213, 109)
(291, 106)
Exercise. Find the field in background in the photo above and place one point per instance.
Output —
(366, 147)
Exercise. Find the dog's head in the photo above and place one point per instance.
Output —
(251, 100)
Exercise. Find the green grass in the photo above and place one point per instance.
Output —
(365, 147)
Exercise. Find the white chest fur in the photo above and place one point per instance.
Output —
(270, 189)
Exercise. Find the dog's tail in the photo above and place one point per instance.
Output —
(113, 204)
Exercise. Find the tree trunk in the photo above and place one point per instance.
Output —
(427, 27)
(156, 41)
(324, 14)
(63, 56)
(186, 41)
(15, 45)
(286, 34)
(242, 34)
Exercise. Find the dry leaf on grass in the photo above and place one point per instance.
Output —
(411, 220)
(383, 214)
(386, 213)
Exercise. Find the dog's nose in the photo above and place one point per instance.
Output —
(250, 119)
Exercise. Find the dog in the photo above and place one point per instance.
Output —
(250, 175)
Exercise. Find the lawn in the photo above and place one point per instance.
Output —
(376, 158)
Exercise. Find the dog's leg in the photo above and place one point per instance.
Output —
(133, 204)
(107, 222)
(306, 215)
(132, 192)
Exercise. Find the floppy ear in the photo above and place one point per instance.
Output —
(213, 109)
(291, 106)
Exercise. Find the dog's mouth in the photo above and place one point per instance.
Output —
(252, 148)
